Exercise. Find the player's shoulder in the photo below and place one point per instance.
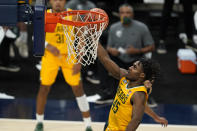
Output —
(72, 4)
(49, 10)
(116, 25)
(139, 95)
(90, 3)
(68, 9)
(139, 24)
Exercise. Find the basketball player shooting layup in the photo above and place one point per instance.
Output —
(129, 104)
(56, 56)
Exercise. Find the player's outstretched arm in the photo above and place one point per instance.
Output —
(138, 101)
(110, 65)
(157, 118)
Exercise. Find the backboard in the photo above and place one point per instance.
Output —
(14, 11)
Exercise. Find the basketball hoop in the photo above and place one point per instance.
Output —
(82, 32)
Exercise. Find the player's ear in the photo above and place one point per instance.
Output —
(142, 75)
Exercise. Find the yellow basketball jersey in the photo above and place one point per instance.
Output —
(58, 38)
(121, 110)
(30, 2)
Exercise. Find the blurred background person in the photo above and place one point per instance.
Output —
(21, 41)
(7, 39)
(188, 23)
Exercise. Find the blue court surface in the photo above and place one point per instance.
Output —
(68, 110)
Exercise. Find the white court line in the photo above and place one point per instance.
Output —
(52, 125)
(46, 121)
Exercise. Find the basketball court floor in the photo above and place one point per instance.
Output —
(28, 125)
(63, 115)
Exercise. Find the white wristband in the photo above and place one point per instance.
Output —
(121, 50)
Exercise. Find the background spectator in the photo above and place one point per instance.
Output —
(8, 38)
(188, 23)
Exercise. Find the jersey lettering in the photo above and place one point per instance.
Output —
(121, 95)
(115, 106)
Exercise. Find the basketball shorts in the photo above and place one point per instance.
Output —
(49, 69)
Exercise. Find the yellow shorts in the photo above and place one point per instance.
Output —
(50, 66)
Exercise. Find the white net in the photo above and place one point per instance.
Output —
(82, 41)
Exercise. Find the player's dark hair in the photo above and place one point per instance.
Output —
(151, 68)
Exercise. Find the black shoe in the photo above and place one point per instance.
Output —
(161, 49)
(93, 79)
(151, 102)
(11, 68)
(191, 45)
(107, 99)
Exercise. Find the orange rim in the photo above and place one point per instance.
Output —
(54, 18)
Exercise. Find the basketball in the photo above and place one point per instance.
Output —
(97, 17)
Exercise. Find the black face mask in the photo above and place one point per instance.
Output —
(126, 20)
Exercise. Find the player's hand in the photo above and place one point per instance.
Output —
(162, 121)
(114, 52)
(147, 84)
(53, 50)
(76, 69)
